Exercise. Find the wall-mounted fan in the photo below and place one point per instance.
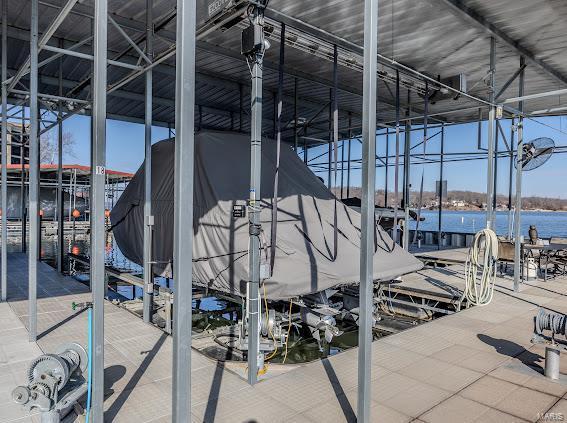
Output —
(536, 152)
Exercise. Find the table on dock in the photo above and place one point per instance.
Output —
(475, 365)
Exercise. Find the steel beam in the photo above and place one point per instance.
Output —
(523, 98)
(4, 152)
(148, 218)
(183, 209)
(368, 219)
(63, 12)
(86, 56)
(505, 86)
(33, 207)
(98, 235)
(490, 153)
(130, 41)
(460, 8)
(518, 206)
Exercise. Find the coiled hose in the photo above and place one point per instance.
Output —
(481, 262)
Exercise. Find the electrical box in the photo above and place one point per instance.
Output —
(252, 39)
(239, 210)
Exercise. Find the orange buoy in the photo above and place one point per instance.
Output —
(76, 213)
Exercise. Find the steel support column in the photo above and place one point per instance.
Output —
(335, 107)
(510, 179)
(98, 179)
(253, 306)
(278, 138)
(295, 134)
(495, 177)
(368, 219)
(490, 154)
(4, 152)
(407, 184)
(440, 217)
(33, 176)
(397, 161)
(183, 209)
(518, 206)
(60, 198)
(148, 218)
(349, 155)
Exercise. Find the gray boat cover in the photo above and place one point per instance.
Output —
(307, 257)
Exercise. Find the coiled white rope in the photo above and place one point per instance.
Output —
(481, 262)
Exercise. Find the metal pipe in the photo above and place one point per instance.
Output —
(98, 235)
(368, 219)
(518, 206)
(4, 152)
(490, 153)
(148, 291)
(183, 209)
(552, 362)
(33, 175)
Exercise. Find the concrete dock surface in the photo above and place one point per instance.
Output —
(477, 365)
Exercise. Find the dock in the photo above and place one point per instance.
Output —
(474, 365)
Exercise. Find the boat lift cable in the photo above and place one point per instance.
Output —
(481, 260)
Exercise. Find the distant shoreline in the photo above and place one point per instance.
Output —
(476, 209)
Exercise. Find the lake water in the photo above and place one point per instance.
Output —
(548, 224)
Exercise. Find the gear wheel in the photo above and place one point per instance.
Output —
(50, 364)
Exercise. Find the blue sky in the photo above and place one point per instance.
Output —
(125, 151)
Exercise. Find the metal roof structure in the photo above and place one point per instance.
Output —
(436, 38)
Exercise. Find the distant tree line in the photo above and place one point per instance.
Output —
(473, 200)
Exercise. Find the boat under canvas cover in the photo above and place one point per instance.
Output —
(310, 256)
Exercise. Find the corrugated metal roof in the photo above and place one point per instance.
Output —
(430, 36)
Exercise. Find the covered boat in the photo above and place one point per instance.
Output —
(318, 237)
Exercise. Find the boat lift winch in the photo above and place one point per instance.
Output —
(55, 383)
(557, 324)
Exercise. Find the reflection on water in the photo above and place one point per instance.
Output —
(548, 223)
